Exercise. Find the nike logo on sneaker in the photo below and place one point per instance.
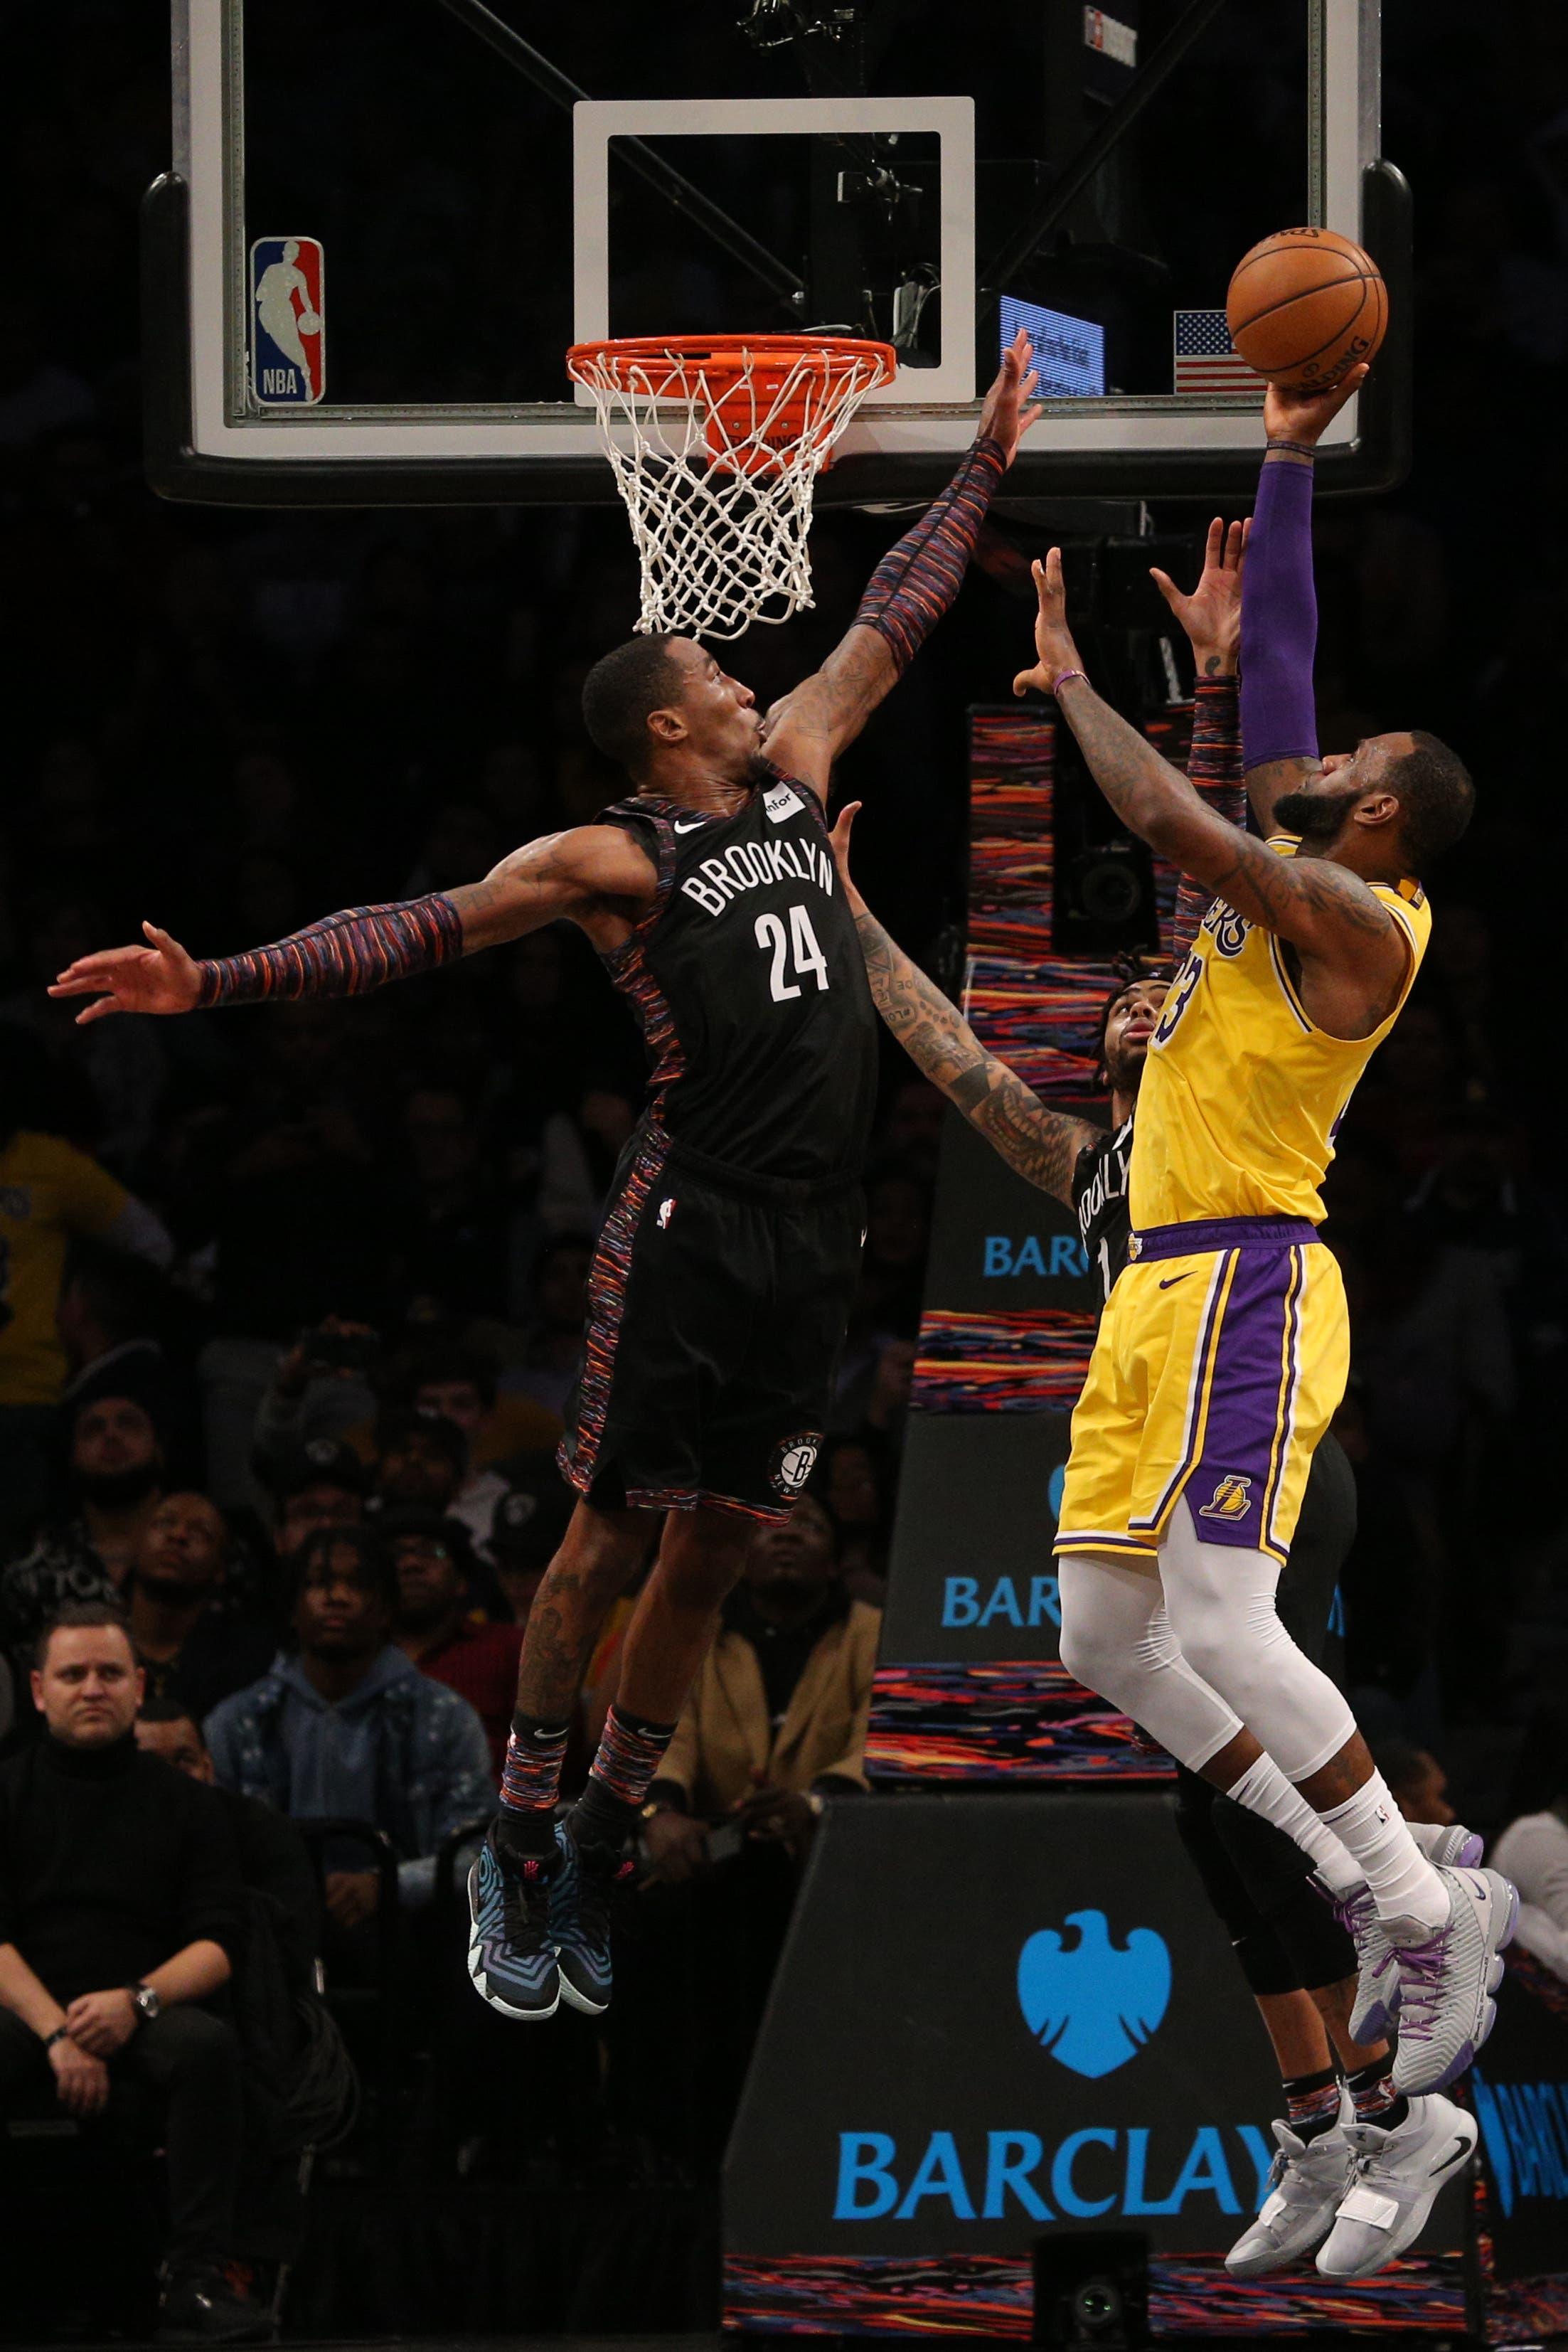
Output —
(1172, 1278)
(692, 826)
(1461, 2148)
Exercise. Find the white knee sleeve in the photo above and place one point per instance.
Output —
(1221, 1605)
(1117, 1639)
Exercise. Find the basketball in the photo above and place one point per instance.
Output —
(310, 323)
(1306, 306)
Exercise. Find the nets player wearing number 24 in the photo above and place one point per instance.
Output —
(721, 1284)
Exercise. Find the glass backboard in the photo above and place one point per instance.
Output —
(386, 221)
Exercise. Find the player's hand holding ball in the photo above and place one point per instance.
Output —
(1053, 645)
(159, 978)
(1306, 416)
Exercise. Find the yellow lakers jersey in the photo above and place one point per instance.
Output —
(1242, 1093)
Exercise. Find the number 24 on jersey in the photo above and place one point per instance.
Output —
(801, 943)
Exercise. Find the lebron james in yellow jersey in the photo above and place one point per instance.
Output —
(1224, 1353)
(1224, 1350)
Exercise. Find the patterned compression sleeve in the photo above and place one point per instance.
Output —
(345, 955)
(1279, 617)
(916, 581)
(1213, 769)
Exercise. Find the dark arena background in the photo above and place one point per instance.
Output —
(299, 591)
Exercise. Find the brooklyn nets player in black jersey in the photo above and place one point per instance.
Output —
(721, 1284)
(1299, 1962)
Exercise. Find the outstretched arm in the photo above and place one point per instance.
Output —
(1211, 618)
(1041, 1144)
(1280, 611)
(1327, 913)
(592, 874)
(910, 590)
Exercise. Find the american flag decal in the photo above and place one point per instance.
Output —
(1206, 360)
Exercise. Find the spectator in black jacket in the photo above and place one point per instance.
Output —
(119, 1910)
(273, 1856)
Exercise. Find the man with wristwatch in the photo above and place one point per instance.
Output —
(119, 1905)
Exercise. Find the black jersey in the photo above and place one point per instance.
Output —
(747, 976)
(1099, 1203)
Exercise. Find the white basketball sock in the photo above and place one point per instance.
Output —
(1405, 1886)
(1263, 1789)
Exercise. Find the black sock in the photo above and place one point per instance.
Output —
(1376, 2100)
(630, 1755)
(1312, 2102)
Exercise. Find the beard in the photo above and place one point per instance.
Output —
(1316, 817)
(116, 1490)
(1125, 1069)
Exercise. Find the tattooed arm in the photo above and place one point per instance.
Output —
(1354, 953)
(1041, 1144)
(594, 875)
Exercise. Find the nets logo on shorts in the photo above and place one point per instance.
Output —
(794, 1463)
(1230, 1500)
(288, 323)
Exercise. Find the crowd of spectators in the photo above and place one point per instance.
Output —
(291, 1299)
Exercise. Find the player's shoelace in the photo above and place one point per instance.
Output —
(525, 1898)
(1421, 1967)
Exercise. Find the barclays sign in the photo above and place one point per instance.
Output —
(1091, 2003)
(1088, 2175)
(1059, 2039)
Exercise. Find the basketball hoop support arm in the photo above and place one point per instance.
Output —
(1058, 199)
(671, 184)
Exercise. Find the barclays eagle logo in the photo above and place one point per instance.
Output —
(1089, 2005)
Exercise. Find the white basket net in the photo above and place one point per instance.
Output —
(716, 458)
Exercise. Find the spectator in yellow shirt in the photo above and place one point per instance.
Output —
(49, 1194)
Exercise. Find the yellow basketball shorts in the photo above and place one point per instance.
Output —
(1221, 1358)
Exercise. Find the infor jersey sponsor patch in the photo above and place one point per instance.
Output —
(781, 802)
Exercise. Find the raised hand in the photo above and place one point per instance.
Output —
(840, 840)
(1305, 417)
(1004, 417)
(1211, 614)
(1053, 645)
(159, 978)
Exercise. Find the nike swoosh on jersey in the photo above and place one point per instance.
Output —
(696, 822)
(1171, 1280)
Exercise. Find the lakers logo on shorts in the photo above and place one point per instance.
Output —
(1230, 1500)
(794, 1463)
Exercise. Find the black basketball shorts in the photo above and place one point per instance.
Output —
(718, 1304)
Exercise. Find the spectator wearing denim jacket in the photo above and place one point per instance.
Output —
(348, 1728)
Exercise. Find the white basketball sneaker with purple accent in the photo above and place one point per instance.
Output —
(1451, 1847)
(1446, 1981)
(1397, 2174)
(1306, 2185)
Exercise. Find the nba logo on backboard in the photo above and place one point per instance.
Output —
(288, 322)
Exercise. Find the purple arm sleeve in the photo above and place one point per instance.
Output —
(1279, 620)
(916, 581)
(344, 955)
